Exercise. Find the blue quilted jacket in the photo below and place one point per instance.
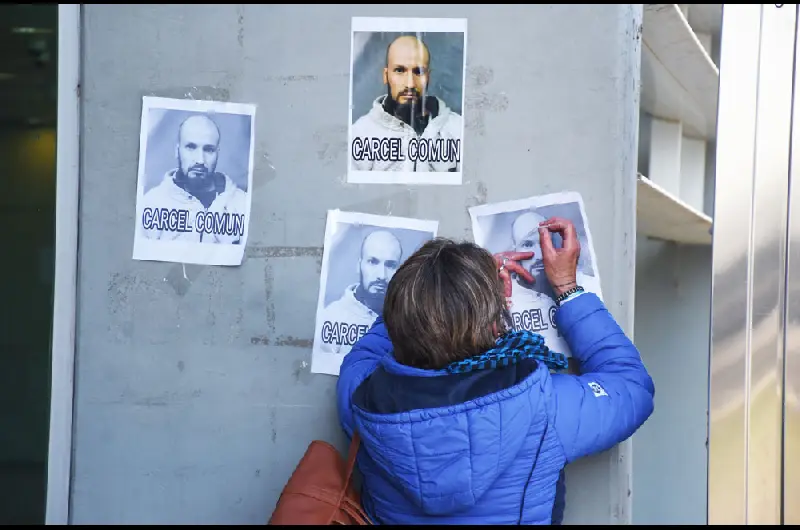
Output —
(489, 446)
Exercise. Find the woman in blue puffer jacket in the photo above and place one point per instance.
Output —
(461, 420)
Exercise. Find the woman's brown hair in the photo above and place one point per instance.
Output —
(445, 303)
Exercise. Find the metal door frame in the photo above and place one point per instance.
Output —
(66, 265)
(751, 247)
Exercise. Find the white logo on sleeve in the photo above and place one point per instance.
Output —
(598, 390)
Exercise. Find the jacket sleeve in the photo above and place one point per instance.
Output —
(613, 396)
(358, 364)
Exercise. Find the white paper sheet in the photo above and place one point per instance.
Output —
(406, 112)
(194, 182)
(361, 254)
(513, 225)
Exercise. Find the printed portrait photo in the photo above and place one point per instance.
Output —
(514, 226)
(195, 175)
(407, 101)
(361, 254)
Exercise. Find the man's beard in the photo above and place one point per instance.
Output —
(374, 301)
(541, 284)
(412, 112)
(198, 181)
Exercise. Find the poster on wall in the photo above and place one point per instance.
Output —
(514, 226)
(195, 180)
(406, 122)
(361, 254)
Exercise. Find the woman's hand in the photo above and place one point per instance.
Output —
(507, 263)
(560, 264)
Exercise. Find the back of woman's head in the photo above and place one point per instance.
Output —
(445, 303)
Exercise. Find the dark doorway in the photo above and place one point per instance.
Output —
(28, 106)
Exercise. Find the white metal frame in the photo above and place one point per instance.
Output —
(66, 265)
(749, 289)
(791, 404)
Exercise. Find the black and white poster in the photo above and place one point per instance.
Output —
(407, 100)
(195, 180)
(514, 226)
(361, 254)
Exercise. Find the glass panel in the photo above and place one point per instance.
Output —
(28, 91)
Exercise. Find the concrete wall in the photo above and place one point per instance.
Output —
(194, 399)
(673, 319)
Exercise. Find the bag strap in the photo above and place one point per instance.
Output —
(356, 512)
(352, 453)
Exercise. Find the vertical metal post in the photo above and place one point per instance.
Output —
(768, 259)
(732, 270)
(752, 242)
(66, 265)
(791, 419)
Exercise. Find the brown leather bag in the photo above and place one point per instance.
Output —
(320, 491)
